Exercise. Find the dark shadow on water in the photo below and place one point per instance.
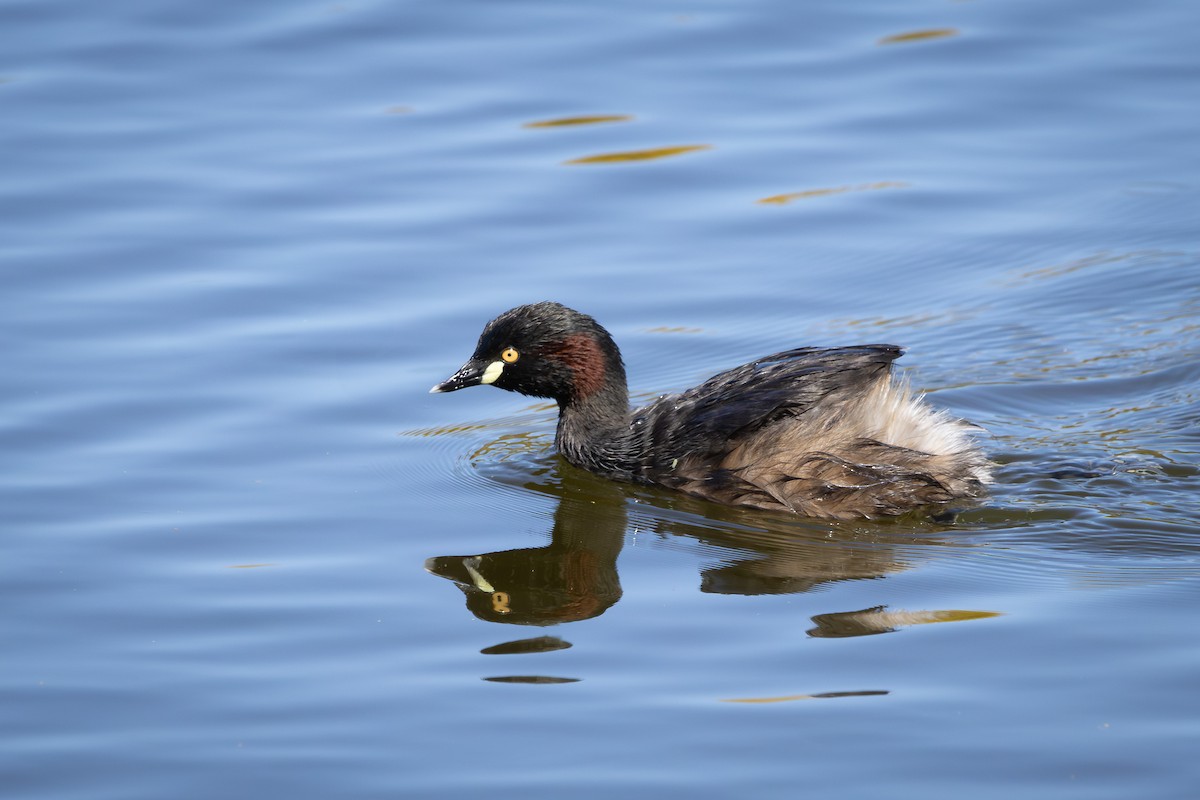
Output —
(871, 621)
(538, 644)
(538, 679)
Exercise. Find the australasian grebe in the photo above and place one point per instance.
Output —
(822, 432)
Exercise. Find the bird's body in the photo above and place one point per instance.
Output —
(822, 432)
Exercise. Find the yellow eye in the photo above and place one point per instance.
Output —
(510, 355)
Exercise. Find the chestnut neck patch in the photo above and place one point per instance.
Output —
(582, 354)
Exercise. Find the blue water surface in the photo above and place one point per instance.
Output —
(247, 555)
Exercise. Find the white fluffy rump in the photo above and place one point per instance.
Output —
(892, 414)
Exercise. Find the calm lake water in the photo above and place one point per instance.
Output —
(246, 555)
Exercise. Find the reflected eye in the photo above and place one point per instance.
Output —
(509, 355)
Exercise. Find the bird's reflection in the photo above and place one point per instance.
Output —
(572, 578)
(575, 577)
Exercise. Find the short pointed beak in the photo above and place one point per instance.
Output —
(471, 374)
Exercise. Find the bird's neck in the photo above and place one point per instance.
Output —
(593, 431)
